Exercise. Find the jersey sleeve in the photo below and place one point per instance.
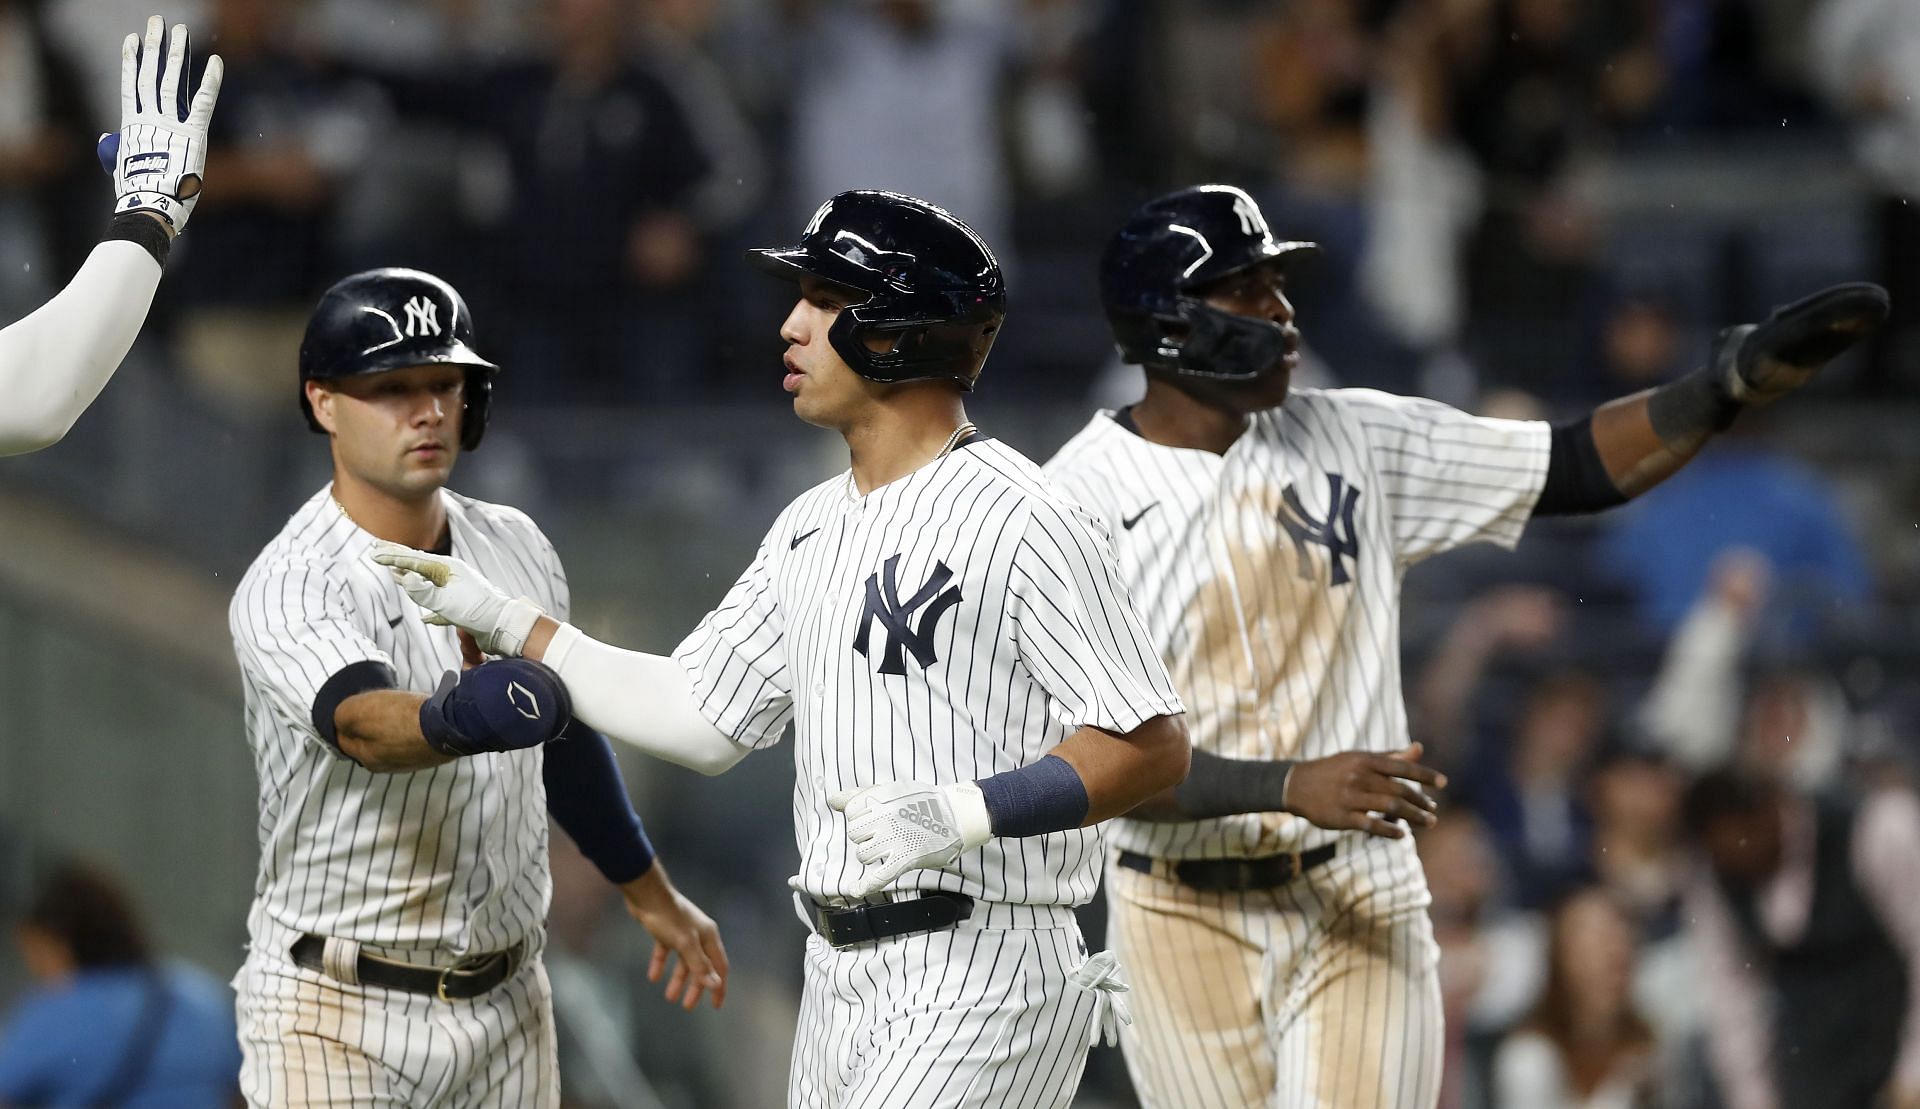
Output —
(1451, 478)
(737, 659)
(296, 629)
(1076, 629)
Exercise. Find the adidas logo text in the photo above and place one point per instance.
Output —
(925, 815)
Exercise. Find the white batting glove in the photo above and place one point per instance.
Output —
(157, 157)
(900, 826)
(454, 593)
(1101, 974)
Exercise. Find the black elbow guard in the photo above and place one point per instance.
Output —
(1577, 480)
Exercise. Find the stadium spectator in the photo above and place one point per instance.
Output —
(904, 95)
(1533, 800)
(1867, 57)
(44, 120)
(1584, 1046)
(108, 1022)
(583, 258)
(1809, 924)
(279, 146)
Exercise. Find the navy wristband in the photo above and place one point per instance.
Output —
(1046, 796)
(588, 799)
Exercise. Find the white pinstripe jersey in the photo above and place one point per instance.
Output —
(955, 623)
(1270, 576)
(454, 856)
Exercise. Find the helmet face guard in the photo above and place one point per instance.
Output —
(1168, 251)
(390, 319)
(931, 286)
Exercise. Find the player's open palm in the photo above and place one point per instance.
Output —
(682, 935)
(160, 151)
(1365, 792)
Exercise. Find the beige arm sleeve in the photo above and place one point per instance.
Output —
(56, 360)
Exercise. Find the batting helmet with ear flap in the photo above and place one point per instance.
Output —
(929, 283)
(390, 319)
(1168, 250)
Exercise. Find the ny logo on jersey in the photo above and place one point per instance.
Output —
(423, 317)
(884, 605)
(1335, 532)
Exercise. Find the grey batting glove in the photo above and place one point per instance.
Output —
(160, 153)
(900, 826)
(454, 593)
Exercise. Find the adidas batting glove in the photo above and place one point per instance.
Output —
(900, 826)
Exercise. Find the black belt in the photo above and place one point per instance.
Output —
(468, 979)
(1263, 873)
(866, 923)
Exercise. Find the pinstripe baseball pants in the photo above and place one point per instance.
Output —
(1320, 994)
(977, 1016)
(308, 1040)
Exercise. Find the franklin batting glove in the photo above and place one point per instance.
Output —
(157, 156)
(900, 826)
(454, 593)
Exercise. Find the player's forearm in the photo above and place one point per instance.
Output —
(380, 730)
(1644, 439)
(56, 360)
(1122, 771)
(1216, 786)
(645, 701)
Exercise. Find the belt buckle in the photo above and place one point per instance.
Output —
(1289, 868)
(470, 966)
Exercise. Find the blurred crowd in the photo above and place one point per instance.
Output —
(1682, 743)
(586, 169)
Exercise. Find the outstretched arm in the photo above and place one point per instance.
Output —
(645, 701)
(1350, 791)
(57, 359)
(1628, 446)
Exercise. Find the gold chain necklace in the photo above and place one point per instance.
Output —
(965, 429)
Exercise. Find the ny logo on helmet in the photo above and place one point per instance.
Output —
(423, 317)
(884, 605)
(1334, 532)
(1252, 223)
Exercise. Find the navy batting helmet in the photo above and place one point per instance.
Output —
(1169, 248)
(930, 283)
(390, 319)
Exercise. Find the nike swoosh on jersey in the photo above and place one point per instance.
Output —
(799, 539)
(395, 622)
(1135, 518)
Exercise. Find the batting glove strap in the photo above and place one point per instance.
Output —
(511, 628)
(507, 705)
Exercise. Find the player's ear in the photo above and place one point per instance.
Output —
(321, 399)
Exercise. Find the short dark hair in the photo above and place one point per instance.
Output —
(85, 907)
(1725, 793)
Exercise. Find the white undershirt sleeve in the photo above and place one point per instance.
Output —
(645, 701)
(56, 360)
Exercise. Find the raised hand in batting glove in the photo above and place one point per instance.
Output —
(157, 156)
(900, 826)
(454, 593)
(1760, 363)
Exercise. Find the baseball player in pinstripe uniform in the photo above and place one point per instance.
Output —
(398, 918)
(58, 358)
(969, 689)
(1271, 910)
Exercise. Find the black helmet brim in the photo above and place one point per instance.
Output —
(795, 262)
